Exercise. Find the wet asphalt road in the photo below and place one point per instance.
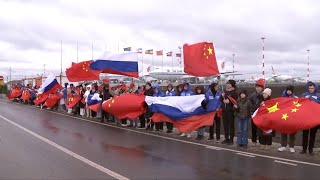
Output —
(130, 154)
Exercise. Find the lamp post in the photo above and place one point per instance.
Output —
(263, 38)
(308, 74)
(233, 63)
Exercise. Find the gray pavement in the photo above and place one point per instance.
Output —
(131, 153)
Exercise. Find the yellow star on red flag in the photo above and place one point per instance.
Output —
(285, 116)
(273, 108)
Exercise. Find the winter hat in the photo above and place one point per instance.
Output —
(290, 88)
(132, 85)
(232, 82)
(267, 91)
(261, 82)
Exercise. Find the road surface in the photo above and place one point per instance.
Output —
(42, 144)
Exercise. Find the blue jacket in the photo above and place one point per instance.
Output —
(187, 92)
(171, 93)
(160, 93)
(312, 96)
(213, 102)
(284, 94)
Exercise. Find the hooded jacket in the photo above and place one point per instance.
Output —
(284, 93)
(187, 92)
(172, 92)
(312, 96)
(212, 99)
(159, 93)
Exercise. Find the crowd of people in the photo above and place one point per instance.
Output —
(235, 107)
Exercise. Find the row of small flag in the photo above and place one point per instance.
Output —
(150, 51)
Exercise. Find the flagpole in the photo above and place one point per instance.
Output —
(171, 61)
(162, 61)
(61, 64)
(92, 50)
(77, 52)
(142, 62)
(152, 62)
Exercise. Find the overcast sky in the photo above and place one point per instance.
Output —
(31, 32)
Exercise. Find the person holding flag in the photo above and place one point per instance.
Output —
(256, 98)
(313, 95)
(289, 93)
(242, 116)
(265, 137)
(170, 92)
(228, 98)
(213, 94)
(186, 92)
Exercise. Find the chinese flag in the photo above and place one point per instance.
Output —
(200, 59)
(14, 94)
(82, 72)
(287, 115)
(125, 106)
(52, 100)
(95, 107)
(72, 100)
(25, 95)
(40, 99)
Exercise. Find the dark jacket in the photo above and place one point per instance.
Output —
(149, 92)
(243, 110)
(106, 94)
(255, 100)
(234, 95)
(179, 92)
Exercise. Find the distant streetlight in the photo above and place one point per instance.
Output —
(233, 63)
(263, 38)
(308, 75)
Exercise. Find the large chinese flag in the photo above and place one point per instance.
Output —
(200, 59)
(287, 115)
(82, 72)
(125, 106)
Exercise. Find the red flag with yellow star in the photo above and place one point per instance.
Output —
(200, 59)
(72, 100)
(125, 106)
(287, 115)
(82, 72)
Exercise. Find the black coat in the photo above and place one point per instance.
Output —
(106, 94)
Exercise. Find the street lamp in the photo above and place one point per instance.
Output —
(233, 63)
(308, 75)
(263, 38)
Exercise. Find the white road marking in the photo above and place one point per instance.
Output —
(87, 161)
(212, 147)
(188, 142)
(244, 154)
(282, 162)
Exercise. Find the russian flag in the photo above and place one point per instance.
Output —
(124, 64)
(50, 85)
(185, 112)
